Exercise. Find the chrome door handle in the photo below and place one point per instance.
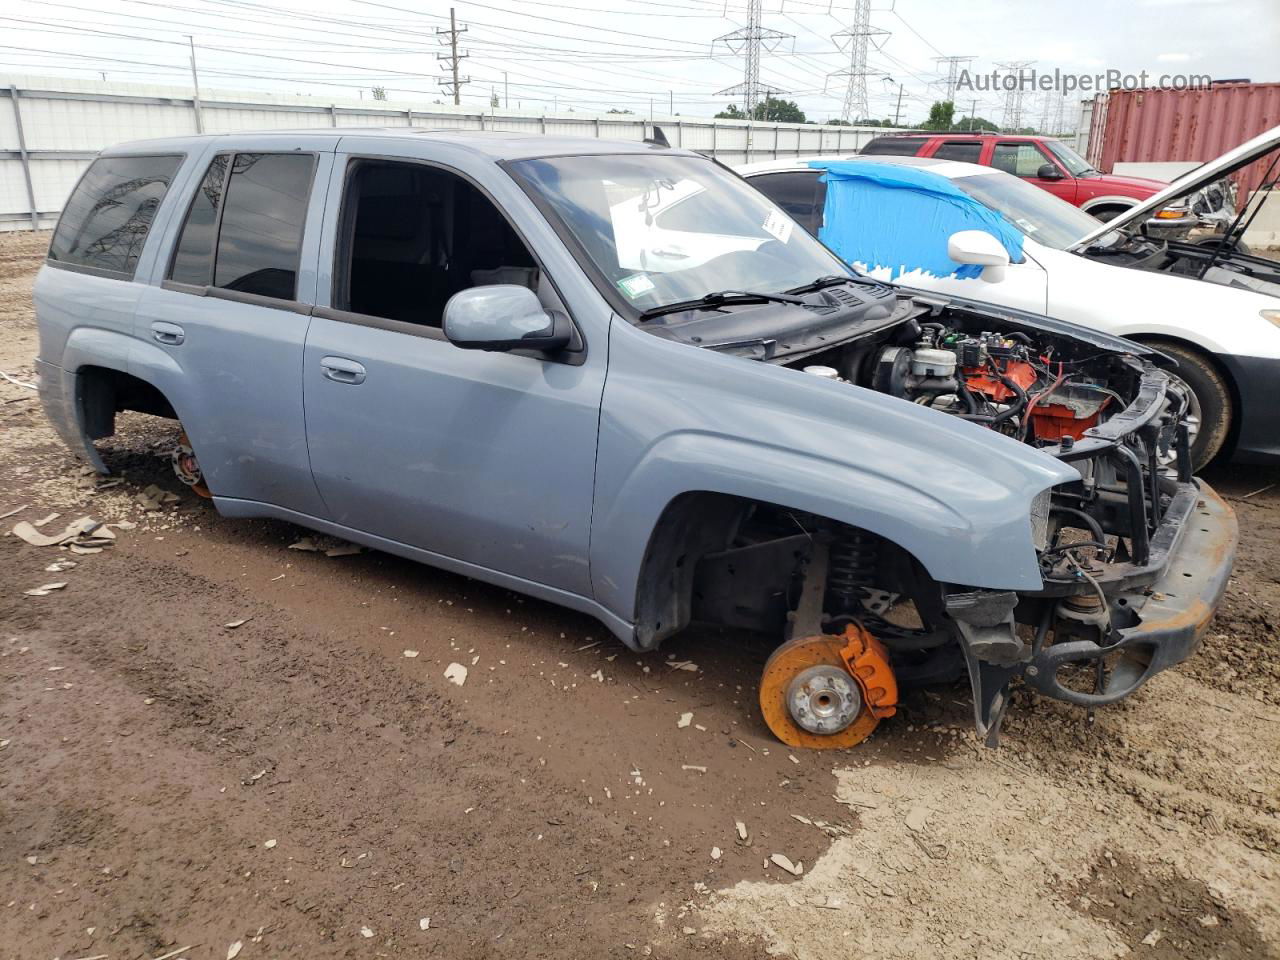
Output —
(167, 333)
(342, 370)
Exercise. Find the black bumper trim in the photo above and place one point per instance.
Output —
(1168, 618)
(1257, 382)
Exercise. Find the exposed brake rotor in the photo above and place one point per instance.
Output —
(828, 692)
(187, 467)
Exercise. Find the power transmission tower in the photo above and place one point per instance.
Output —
(453, 58)
(954, 65)
(749, 41)
(856, 38)
(1012, 118)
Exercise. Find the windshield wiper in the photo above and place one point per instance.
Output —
(720, 298)
(822, 283)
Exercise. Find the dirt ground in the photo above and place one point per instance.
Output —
(300, 784)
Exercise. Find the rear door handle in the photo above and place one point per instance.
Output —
(342, 370)
(167, 333)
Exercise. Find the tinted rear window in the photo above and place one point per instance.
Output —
(193, 259)
(967, 150)
(260, 239)
(106, 219)
(894, 146)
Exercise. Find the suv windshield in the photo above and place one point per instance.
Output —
(1076, 165)
(1037, 213)
(662, 229)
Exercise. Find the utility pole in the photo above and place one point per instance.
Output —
(897, 113)
(506, 92)
(453, 57)
(195, 82)
(855, 39)
(749, 41)
(671, 103)
(973, 113)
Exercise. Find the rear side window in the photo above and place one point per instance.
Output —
(106, 219)
(802, 194)
(894, 146)
(967, 150)
(243, 231)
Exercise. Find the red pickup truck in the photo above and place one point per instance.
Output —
(1048, 163)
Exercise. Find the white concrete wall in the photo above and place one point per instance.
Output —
(65, 122)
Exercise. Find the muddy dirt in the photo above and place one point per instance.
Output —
(308, 783)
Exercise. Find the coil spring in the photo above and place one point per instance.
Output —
(854, 561)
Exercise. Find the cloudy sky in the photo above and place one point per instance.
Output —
(594, 55)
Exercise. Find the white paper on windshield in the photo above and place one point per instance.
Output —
(636, 285)
(776, 225)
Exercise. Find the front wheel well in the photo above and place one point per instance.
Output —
(1157, 340)
(103, 392)
(1107, 210)
(738, 562)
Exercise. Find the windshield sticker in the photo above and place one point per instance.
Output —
(776, 225)
(636, 285)
(1027, 226)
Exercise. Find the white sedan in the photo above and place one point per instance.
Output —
(934, 225)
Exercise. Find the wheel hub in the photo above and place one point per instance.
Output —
(823, 699)
(828, 692)
(187, 467)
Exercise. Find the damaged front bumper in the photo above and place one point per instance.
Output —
(1159, 613)
(1135, 598)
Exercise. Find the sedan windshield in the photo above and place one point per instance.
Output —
(1076, 165)
(1037, 213)
(661, 229)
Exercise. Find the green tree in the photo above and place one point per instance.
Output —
(770, 108)
(493, 98)
(976, 124)
(379, 93)
(616, 110)
(941, 116)
(779, 111)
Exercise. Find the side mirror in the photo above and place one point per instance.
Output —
(503, 316)
(982, 249)
(1048, 171)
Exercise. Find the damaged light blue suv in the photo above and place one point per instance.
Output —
(616, 377)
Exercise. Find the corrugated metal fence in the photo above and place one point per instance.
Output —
(49, 132)
(1193, 125)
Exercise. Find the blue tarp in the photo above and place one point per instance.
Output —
(899, 218)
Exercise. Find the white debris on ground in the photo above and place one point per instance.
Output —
(685, 720)
(456, 673)
(329, 546)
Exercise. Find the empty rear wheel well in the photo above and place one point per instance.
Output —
(103, 392)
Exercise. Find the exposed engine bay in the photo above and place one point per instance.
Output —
(1039, 390)
(853, 604)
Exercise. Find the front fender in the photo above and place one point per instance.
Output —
(679, 420)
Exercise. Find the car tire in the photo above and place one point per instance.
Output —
(1106, 214)
(1212, 395)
